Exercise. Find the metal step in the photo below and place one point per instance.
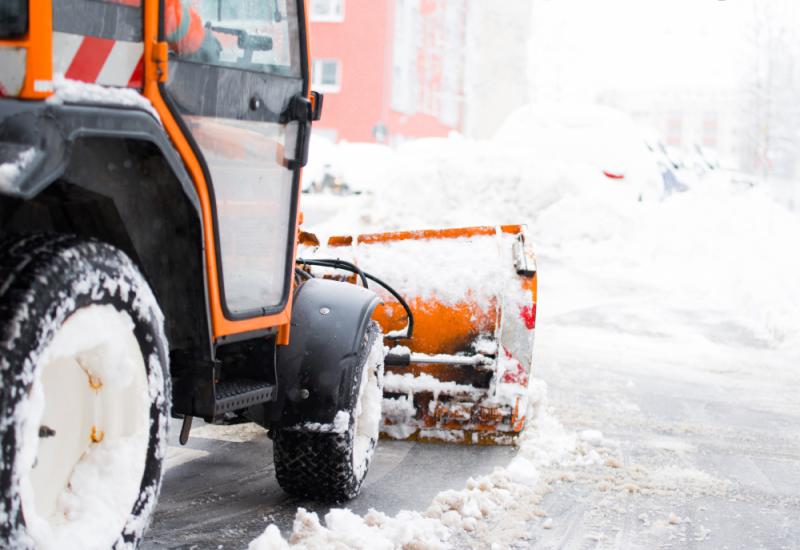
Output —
(232, 395)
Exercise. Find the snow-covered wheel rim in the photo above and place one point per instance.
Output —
(84, 397)
(367, 413)
(85, 435)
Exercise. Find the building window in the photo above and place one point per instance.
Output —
(326, 75)
(675, 129)
(710, 129)
(405, 57)
(327, 10)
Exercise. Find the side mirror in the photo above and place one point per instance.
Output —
(245, 41)
(254, 42)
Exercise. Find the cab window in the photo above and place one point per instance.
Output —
(255, 35)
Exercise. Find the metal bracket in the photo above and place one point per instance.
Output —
(300, 110)
(524, 260)
(161, 59)
(405, 358)
(186, 427)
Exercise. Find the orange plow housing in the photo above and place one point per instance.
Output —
(463, 374)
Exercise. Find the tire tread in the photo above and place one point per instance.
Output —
(319, 465)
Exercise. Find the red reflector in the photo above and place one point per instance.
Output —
(528, 315)
(613, 176)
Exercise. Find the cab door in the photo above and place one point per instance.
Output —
(237, 82)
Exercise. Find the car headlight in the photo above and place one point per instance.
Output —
(13, 18)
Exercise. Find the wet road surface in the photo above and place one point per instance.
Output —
(220, 490)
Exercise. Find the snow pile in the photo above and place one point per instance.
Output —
(490, 508)
(719, 244)
(343, 529)
(345, 161)
(74, 91)
(431, 267)
(727, 249)
(10, 171)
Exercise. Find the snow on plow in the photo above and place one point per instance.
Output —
(461, 374)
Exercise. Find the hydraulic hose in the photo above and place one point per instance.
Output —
(364, 276)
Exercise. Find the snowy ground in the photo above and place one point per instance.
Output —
(667, 360)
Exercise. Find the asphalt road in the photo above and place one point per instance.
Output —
(704, 453)
(700, 414)
(220, 491)
(698, 466)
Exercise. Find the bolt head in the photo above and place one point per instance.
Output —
(324, 311)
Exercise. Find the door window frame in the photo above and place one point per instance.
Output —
(255, 312)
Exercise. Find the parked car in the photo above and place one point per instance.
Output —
(585, 145)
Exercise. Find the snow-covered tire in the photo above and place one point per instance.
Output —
(329, 462)
(84, 395)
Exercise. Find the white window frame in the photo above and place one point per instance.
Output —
(316, 76)
(331, 16)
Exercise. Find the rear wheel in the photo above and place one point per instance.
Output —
(330, 462)
(84, 397)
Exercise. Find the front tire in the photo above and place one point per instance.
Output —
(330, 462)
(84, 398)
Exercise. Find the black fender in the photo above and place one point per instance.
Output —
(51, 129)
(99, 171)
(317, 370)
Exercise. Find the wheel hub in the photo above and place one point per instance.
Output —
(86, 433)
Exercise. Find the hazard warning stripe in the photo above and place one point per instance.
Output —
(90, 59)
(98, 60)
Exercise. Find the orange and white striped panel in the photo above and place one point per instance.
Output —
(98, 60)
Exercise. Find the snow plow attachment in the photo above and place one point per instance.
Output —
(457, 371)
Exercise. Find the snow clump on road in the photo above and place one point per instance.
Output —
(486, 510)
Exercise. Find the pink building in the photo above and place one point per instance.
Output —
(389, 69)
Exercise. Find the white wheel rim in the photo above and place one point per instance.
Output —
(367, 415)
(78, 486)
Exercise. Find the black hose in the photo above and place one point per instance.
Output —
(363, 275)
(337, 264)
(301, 273)
(393, 292)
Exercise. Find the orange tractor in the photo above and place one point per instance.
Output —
(152, 265)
